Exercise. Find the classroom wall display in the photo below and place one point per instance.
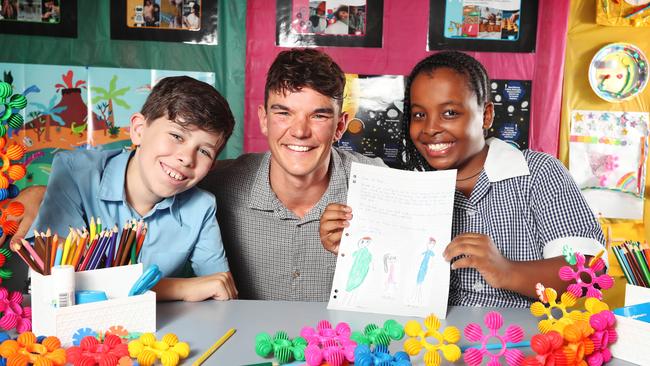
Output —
(57, 18)
(511, 99)
(190, 21)
(74, 107)
(483, 25)
(374, 104)
(629, 13)
(345, 23)
(607, 158)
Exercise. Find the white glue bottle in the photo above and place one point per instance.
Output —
(63, 286)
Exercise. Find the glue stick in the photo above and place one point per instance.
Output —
(63, 286)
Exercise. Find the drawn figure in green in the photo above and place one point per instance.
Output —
(361, 264)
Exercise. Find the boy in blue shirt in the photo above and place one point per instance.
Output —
(182, 127)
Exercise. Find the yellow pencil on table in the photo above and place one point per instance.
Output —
(214, 347)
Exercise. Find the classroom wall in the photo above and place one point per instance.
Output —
(94, 47)
(404, 43)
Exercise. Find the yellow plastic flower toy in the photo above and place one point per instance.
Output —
(419, 338)
(147, 349)
(26, 350)
(553, 321)
(594, 306)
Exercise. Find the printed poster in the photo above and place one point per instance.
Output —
(511, 100)
(374, 104)
(390, 258)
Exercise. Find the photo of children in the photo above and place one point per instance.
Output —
(331, 17)
(485, 20)
(32, 11)
(164, 14)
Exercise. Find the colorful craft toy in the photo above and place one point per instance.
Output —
(604, 326)
(81, 334)
(549, 349)
(280, 347)
(7, 208)
(14, 315)
(420, 339)
(494, 321)
(372, 334)
(10, 105)
(169, 350)
(4, 272)
(363, 356)
(588, 286)
(567, 300)
(332, 345)
(11, 170)
(92, 352)
(27, 350)
(578, 341)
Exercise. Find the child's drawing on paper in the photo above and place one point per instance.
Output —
(390, 275)
(425, 264)
(360, 268)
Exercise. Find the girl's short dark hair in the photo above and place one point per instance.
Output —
(477, 79)
(188, 101)
(295, 69)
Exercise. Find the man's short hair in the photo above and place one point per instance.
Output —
(188, 101)
(295, 69)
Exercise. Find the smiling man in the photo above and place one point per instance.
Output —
(270, 204)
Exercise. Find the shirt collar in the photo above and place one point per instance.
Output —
(504, 161)
(111, 186)
(263, 198)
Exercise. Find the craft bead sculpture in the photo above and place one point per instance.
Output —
(363, 356)
(549, 349)
(420, 339)
(13, 314)
(10, 105)
(92, 352)
(604, 281)
(372, 334)
(603, 324)
(5, 273)
(26, 350)
(280, 347)
(567, 300)
(332, 345)
(11, 170)
(169, 350)
(494, 321)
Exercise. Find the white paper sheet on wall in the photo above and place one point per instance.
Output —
(607, 154)
(390, 259)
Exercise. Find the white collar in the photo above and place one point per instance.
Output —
(504, 161)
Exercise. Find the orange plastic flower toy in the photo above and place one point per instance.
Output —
(8, 208)
(419, 339)
(578, 341)
(11, 170)
(553, 321)
(92, 352)
(26, 350)
(147, 349)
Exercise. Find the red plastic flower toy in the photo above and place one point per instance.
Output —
(91, 352)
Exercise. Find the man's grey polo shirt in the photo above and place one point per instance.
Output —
(273, 254)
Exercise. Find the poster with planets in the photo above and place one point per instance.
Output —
(511, 100)
(374, 104)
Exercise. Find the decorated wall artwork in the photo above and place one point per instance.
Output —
(618, 71)
(73, 107)
(374, 104)
(511, 99)
(190, 21)
(344, 23)
(607, 154)
(483, 25)
(628, 13)
(56, 18)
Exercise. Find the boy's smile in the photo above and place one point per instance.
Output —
(169, 160)
(447, 122)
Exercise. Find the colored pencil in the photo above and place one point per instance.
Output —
(22, 253)
(32, 252)
(623, 265)
(214, 347)
(48, 252)
(127, 248)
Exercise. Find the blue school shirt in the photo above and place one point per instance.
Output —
(181, 229)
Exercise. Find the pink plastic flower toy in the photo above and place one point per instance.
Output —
(494, 321)
(604, 325)
(13, 314)
(332, 345)
(589, 272)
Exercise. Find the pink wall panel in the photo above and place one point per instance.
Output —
(405, 39)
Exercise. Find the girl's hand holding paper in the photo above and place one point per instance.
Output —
(479, 252)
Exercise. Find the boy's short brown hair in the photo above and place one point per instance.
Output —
(188, 101)
(297, 68)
